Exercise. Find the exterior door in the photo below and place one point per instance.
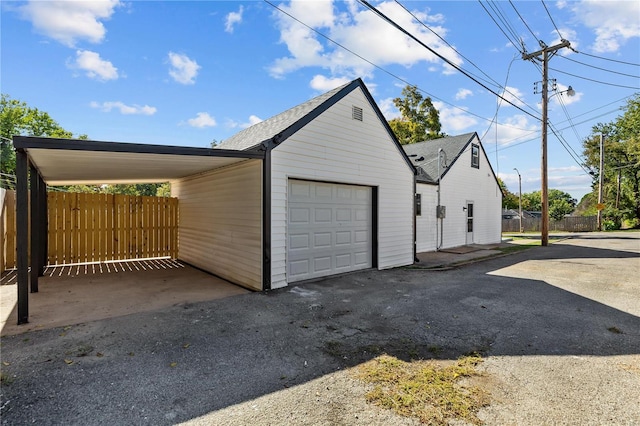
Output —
(469, 209)
(329, 229)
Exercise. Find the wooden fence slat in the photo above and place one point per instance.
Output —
(85, 227)
(82, 227)
(10, 230)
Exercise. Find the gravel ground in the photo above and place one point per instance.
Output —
(558, 328)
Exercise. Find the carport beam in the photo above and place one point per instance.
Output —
(22, 235)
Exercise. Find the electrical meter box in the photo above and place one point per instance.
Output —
(441, 212)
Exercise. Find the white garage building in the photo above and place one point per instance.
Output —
(333, 194)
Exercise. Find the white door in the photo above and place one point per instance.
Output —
(329, 229)
(469, 210)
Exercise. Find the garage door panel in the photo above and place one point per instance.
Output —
(322, 240)
(322, 215)
(299, 241)
(329, 228)
(299, 215)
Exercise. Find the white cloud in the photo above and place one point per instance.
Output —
(324, 84)
(567, 34)
(183, 70)
(70, 21)
(232, 19)
(613, 22)
(253, 119)
(388, 109)
(94, 66)
(454, 120)
(202, 120)
(513, 95)
(463, 94)
(359, 30)
(512, 130)
(124, 109)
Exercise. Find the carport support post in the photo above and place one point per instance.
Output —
(43, 225)
(35, 227)
(22, 235)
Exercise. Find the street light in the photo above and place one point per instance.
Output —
(519, 198)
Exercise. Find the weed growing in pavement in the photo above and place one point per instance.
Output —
(432, 392)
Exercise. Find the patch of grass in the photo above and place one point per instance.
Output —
(426, 390)
(5, 379)
(615, 330)
(517, 247)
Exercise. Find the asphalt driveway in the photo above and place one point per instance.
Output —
(558, 327)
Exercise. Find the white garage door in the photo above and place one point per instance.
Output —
(329, 228)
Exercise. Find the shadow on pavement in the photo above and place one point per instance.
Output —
(168, 366)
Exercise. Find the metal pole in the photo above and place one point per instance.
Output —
(519, 198)
(600, 182)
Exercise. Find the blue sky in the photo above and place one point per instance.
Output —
(187, 72)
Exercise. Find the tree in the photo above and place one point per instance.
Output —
(17, 118)
(420, 120)
(560, 203)
(509, 199)
(621, 190)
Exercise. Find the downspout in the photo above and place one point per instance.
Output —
(439, 207)
(438, 212)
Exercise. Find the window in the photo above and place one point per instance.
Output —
(475, 156)
(418, 204)
(356, 113)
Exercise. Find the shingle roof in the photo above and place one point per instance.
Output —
(424, 155)
(253, 136)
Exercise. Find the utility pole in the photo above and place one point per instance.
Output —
(547, 53)
(519, 198)
(600, 182)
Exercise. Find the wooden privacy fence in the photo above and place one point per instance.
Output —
(101, 227)
(567, 224)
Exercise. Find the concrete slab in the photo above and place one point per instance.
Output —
(455, 255)
(77, 294)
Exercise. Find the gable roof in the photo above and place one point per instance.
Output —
(424, 155)
(278, 128)
(267, 129)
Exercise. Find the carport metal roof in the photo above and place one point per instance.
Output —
(74, 161)
(41, 161)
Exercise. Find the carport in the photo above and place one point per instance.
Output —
(48, 161)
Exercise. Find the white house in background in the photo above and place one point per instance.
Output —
(334, 193)
(470, 196)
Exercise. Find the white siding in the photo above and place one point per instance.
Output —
(464, 183)
(336, 148)
(220, 222)
(426, 222)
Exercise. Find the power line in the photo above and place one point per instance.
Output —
(564, 128)
(599, 68)
(552, 21)
(384, 70)
(535, 37)
(594, 80)
(506, 24)
(447, 43)
(498, 102)
(401, 29)
(504, 88)
(608, 59)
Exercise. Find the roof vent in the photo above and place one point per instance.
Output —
(356, 113)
